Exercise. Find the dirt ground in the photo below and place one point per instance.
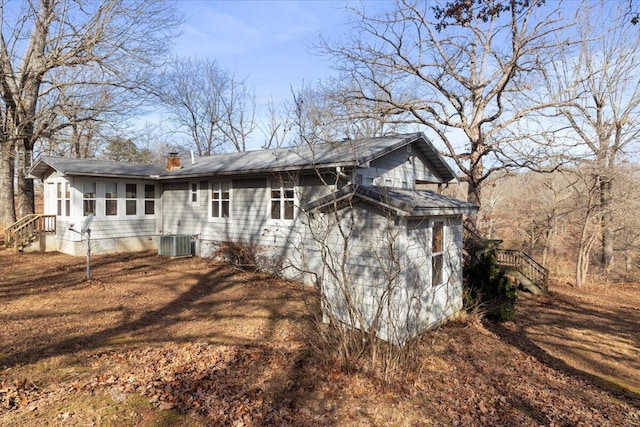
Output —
(156, 341)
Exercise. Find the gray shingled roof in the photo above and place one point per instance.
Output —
(347, 153)
(404, 202)
(93, 167)
(350, 153)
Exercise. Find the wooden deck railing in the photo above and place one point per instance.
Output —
(526, 265)
(28, 229)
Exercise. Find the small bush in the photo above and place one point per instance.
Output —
(488, 289)
(248, 257)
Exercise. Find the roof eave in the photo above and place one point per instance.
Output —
(32, 173)
(316, 167)
(422, 212)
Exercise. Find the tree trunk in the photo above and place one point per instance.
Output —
(7, 202)
(474, 189)
(25, 191)
(607, 221)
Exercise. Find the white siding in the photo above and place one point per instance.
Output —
(108, 233)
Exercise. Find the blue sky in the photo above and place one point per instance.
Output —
(266, 42)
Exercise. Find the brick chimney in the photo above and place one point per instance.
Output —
(173, 162)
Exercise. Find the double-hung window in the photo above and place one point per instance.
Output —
(220, 199)
(67, 199)
(88, 198)
(282, 199)
(131, 199)
(193, 193)
(437, 253)
(111, 198)
(149, 199)
(59, 198)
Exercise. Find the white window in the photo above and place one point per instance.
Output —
(388, 182)
(111, 198)
(149, 199)
(59, 198)
(220, 199)
(437, 253)
(131, 199)
(67, 199)
(88, 198)
(368, 180)
(193, 193)
(282, 199)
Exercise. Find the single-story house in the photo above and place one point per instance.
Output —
(362, 219)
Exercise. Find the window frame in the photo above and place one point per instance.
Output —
(151, 199)
(63, 198)
(108, 199)
(86, 199)
(67, 198)
(282, 200)
(216, 186)
(59, 204)
(438, 254)
(128, 199)
(194, 193)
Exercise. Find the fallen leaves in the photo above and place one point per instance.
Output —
(219, 350)
(16, 394)
(224, 384)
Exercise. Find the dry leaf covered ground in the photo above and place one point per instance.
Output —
(155, 341)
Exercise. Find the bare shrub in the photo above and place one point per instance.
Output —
(357, 350)
(375, 300)
(248, 257)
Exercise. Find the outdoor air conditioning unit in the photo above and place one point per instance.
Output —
(175, 245)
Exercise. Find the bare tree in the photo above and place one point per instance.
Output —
(323, 112)
(123, 42)
(601, 84)
(75, 115)
(210, 105)
(277, 125)
(466, 81)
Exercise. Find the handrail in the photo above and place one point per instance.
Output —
(23, 230)
(20, 222)
(10, 230)
(525, 264)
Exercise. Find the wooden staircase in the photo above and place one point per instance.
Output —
(29, 229)
(522, 263)
(530, 273)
